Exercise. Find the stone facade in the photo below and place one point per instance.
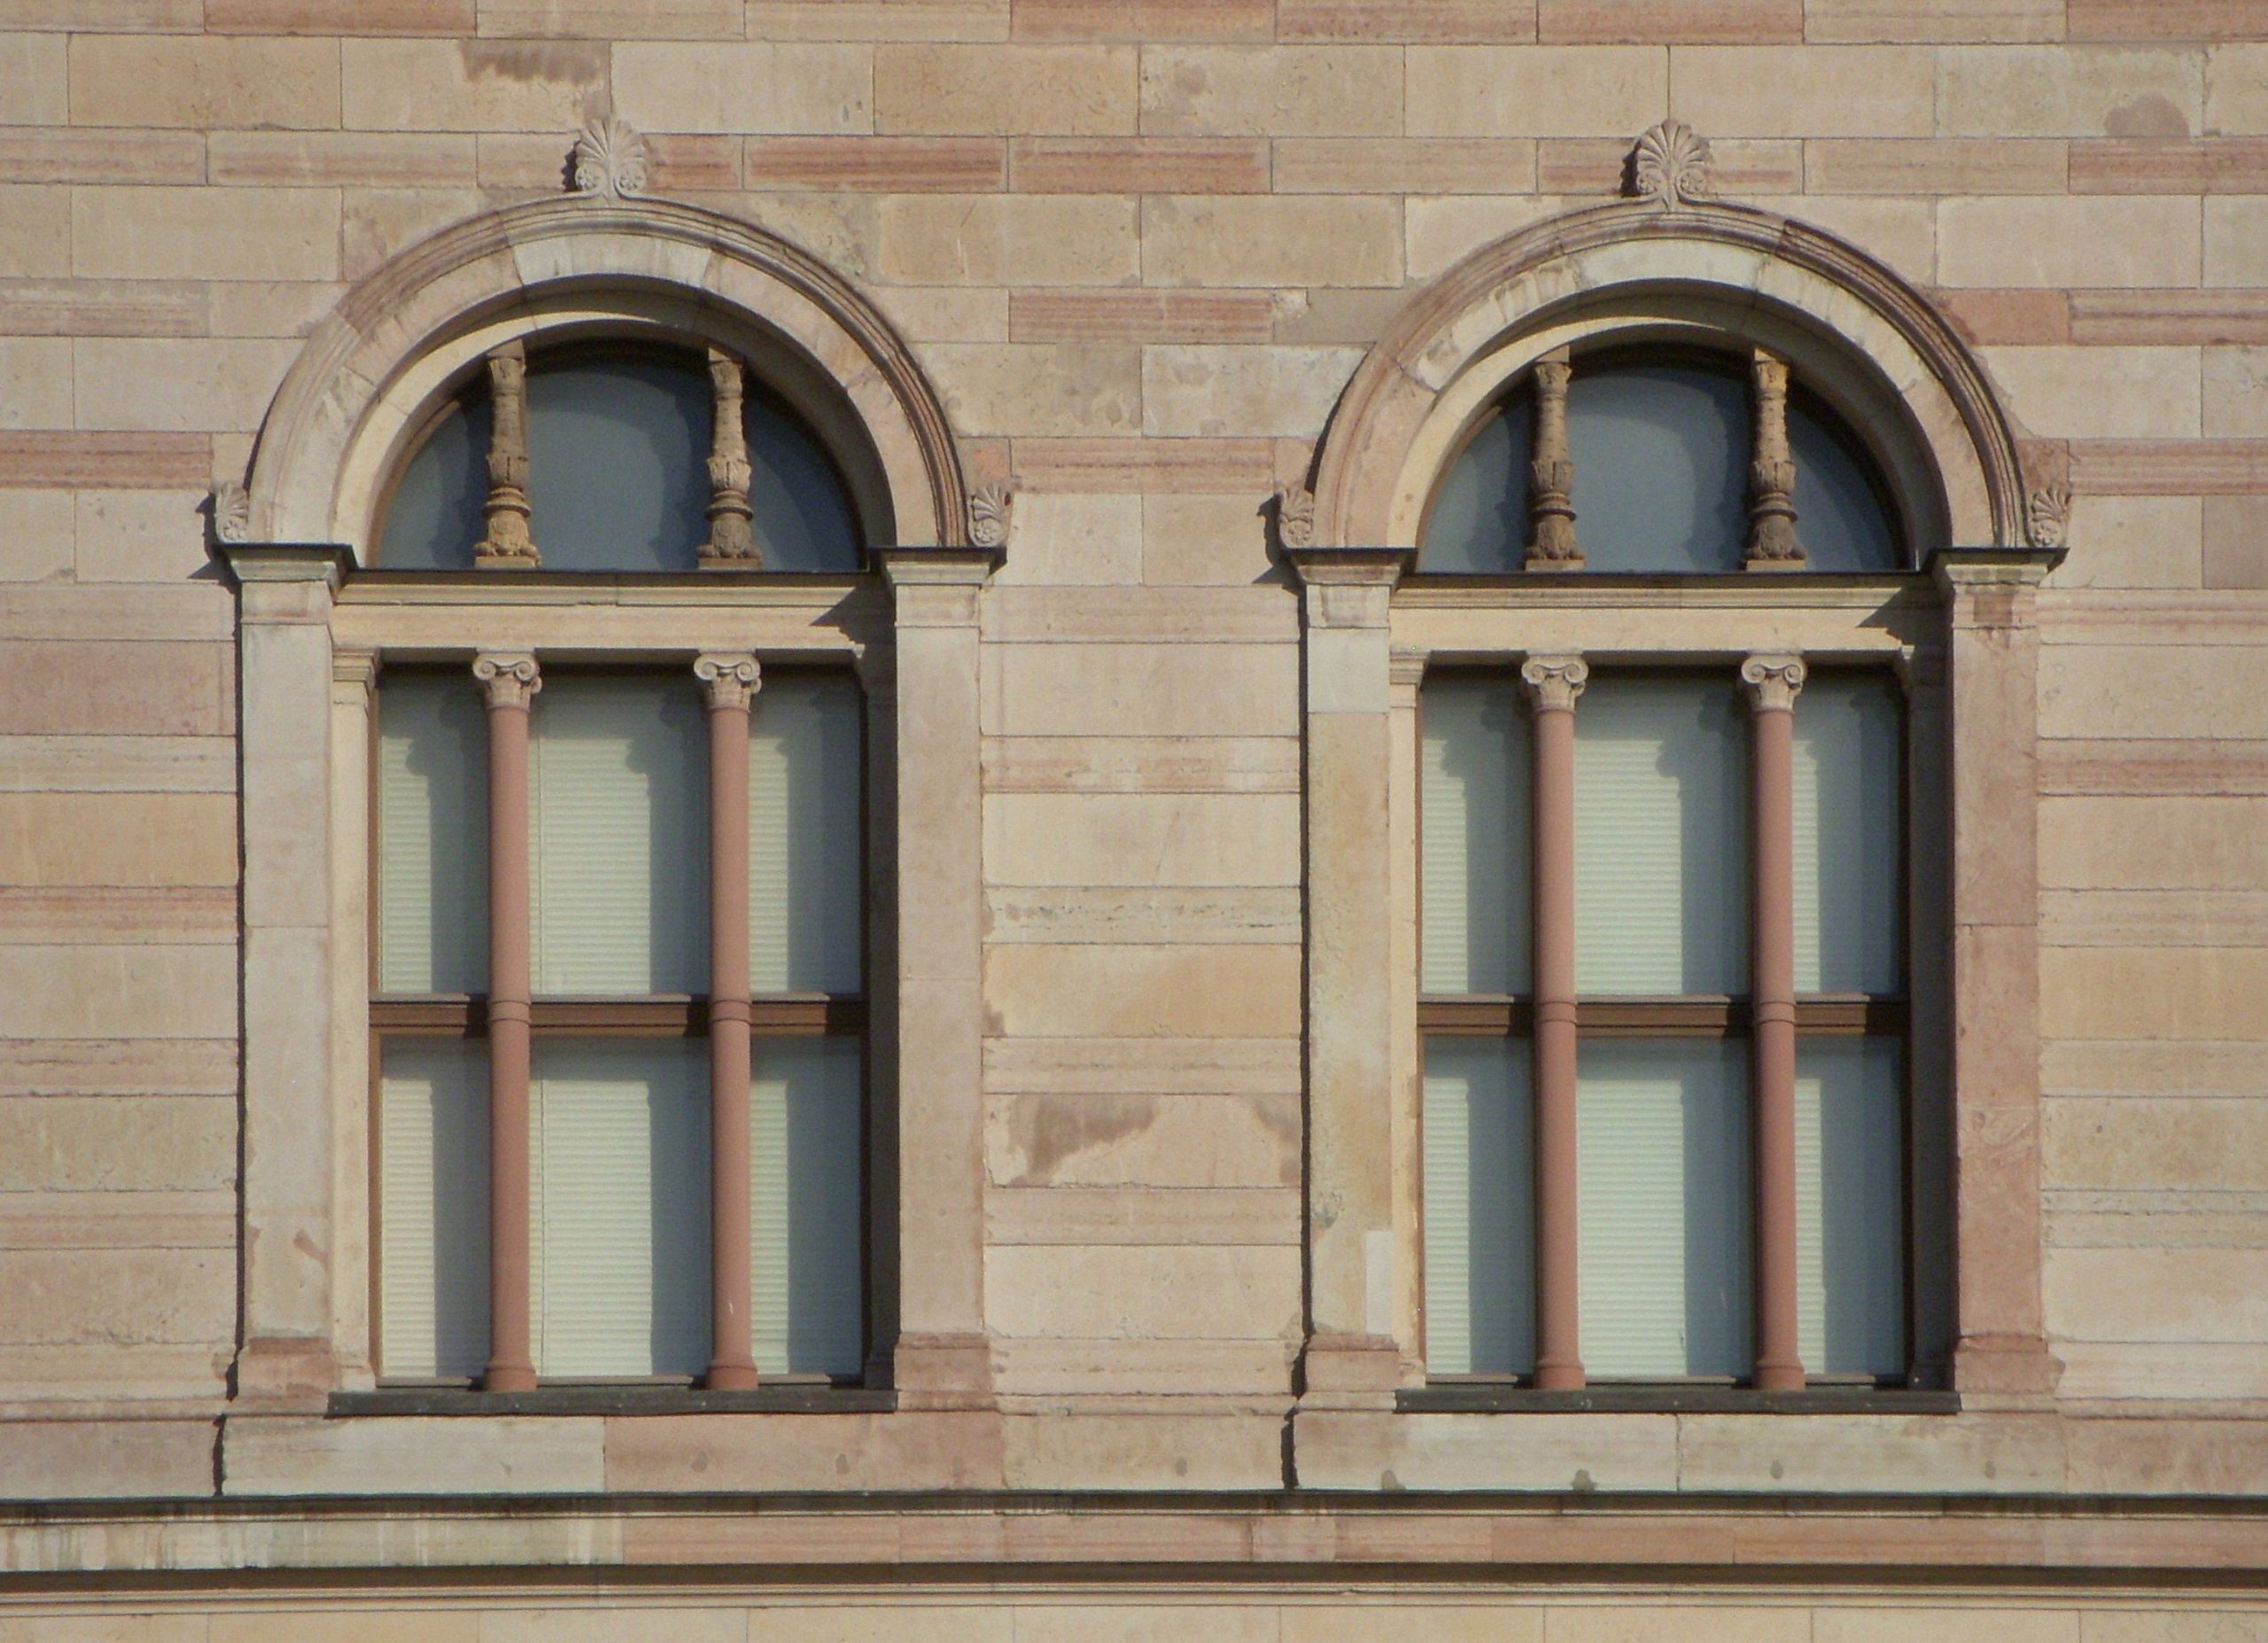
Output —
(1144, 306)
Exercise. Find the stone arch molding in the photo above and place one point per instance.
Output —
(359, 389)
(1858, 332)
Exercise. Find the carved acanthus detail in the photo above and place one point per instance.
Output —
(1671, 165)
(2047, 515)
(989, 508)
(1295, 516)
(231, 512)
(1772, 541)
(732, 538)
(609, 160)
(508, 546)
(507, 678)
(1554, 682)
(1552, 544)
(1772, 681)
(732, 681)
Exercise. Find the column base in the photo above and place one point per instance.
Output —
(730, 1378)
(509, 1378)
(1349, 1371)
(1560, 1377)
(943, 1370)
(286, 1373)
(1778, 1377)
(2007, 1364)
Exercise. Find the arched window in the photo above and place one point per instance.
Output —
(1664, 460)
(618, 456)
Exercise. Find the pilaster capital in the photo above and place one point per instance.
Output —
(1959, 570)
(732, 679)
(1405, 666)
(1349, 567)
(507, 678)
(353, 673)
(1772, 681)
(1553, 682)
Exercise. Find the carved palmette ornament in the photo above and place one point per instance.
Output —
(2047, 515)
(1671, 166)
(1295, 516)
(231, 512)
(990, 507)
(609, 160)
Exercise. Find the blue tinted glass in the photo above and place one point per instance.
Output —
(1661, 466)
(1479, 520)
(435, 515)
(617, 461)
(804, 517)
(1839, 514)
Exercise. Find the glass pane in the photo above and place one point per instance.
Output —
(432, 805)
(1479, 1207)
(1850, 1180)
(1847, 835)
(805, 889)
(619, 1285)
(1661, 835)
(617, 460)
(619, 835)
(433, 1209)
(438, 509)
(808, 1209)
(1840, 518)
(1661, 465)
(1662, 1134)
(1479, 519)
(1473, 804)
(804, 517)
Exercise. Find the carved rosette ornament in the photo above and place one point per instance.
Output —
(2047, 515)
(732, 540)
(231, 512)
(1772, 541)
(508, 678)
(508, 546)
(1553, 682)
(1671, 165)
(1295, 516)
(990, 508)
(1552, 544)
(609, 160)
(732, 681)
(1771, 683)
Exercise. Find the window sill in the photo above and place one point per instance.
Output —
(1484, 1398)
(616, 1400)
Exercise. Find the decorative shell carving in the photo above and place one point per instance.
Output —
(1670, 165)
(989, 507)
(2047, 515)
(231, 512)
(1295, 516)
(609, 160)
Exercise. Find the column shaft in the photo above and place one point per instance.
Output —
(1553, 684)
(1772, 683)
(511, 682)
(732, 681)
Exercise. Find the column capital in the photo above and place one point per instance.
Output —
(1553, 682)
(353, 673)
(1406, 667)
(1772, 682)
(507, 678)
(732, 681)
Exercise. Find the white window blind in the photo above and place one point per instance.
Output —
(809, 1310)
(619, 835)
(805, 837)
(1850, 1182)
(1848, 843)
(432, 804)
(1661, 836)
(1474, 800)
(1663, 1182)
(619, 1280)
(433, 1209)
(1479, 1208)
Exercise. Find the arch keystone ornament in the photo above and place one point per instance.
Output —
(609, 160)
(1671, 166)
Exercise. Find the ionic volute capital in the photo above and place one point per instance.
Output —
(507, 678)
(1771, 683)
(732, 681)
(1553, 682)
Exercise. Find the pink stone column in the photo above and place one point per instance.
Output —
(733, 682)
(1772, 682)
(510, 683)
(1553, 683)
